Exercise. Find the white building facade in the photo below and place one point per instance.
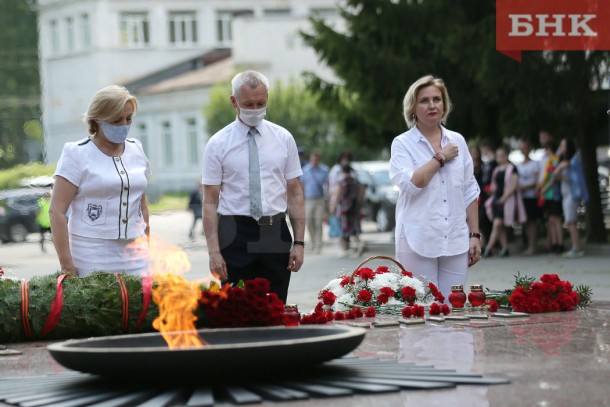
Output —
(168, 53)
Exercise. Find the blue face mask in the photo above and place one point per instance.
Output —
(115, 134)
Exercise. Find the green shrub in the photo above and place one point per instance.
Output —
(10, 178)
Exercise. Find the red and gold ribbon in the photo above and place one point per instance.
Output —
(125, 303)
(25, 307)
(56, 307)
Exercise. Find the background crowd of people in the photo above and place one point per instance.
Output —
(530, 194)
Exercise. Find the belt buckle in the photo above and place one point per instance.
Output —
(265, 221)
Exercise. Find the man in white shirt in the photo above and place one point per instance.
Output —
(251, 176)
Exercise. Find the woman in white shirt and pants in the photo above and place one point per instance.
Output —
(437, 228)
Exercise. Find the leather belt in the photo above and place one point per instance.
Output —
(263, 221)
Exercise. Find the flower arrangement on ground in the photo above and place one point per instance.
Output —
(248, 303)
(366, 292)
(550, 294)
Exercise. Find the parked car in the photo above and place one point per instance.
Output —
(380, 196)
(18, 209)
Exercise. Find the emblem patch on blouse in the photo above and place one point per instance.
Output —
(94, 211)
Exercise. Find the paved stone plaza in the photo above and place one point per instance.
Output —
(556, 359)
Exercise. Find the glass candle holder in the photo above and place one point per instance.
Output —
(457, 298)
(476, 296)
(291, 315)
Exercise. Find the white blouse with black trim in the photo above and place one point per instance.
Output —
(107, 204)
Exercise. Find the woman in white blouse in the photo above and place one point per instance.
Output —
(102, 181)
(437, 228)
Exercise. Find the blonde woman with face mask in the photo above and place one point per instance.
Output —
(101, 181)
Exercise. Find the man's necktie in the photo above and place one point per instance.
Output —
(256, 205)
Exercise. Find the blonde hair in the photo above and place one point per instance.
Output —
(410, 100)
(106, 104)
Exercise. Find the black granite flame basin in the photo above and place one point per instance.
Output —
(232, 352)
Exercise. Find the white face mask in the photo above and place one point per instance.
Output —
(252, 117)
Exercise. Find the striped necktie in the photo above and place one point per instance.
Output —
(256, 205)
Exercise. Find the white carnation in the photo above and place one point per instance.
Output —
(385, 280)
(344, 299)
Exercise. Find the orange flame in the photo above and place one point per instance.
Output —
(176, 297)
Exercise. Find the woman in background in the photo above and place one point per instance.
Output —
(505, 200)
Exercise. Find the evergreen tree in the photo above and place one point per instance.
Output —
(19, 80)
(386, 45)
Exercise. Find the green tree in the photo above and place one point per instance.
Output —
(494, 96)
(293, 107)
(19, 78)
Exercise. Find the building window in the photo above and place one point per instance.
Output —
(54, 37)
(85, 30)
(193, 141)
(277, 12)
(224, 25)
(142, 135)
(324, 12)
(135, 30)
(183, 28)
(70, 34)
(168, 145)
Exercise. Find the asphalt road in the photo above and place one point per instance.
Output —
(170, 229)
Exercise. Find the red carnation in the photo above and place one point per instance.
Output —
(439, 297)
(382, 270)
(387, 291)
(365, 296)
(339, 316)
(370, 312)
(408, 293)
(445, 309)
(407, 273)
(366, 273)
(358, 312)
(493, 305)
(419, 310)
(329, 298)
(344, 281)
(238, 294)
(382, 299)
(407, 312)
(435, 309)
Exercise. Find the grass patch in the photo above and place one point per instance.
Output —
(9, 178)
(170, 202)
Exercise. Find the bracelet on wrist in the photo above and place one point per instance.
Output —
(298, 242)
(438, 158)
(474, 234)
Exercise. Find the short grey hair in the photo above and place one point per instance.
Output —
(250, 78)
(410, 100)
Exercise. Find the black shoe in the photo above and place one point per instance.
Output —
(504, 253)
(486, 254)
